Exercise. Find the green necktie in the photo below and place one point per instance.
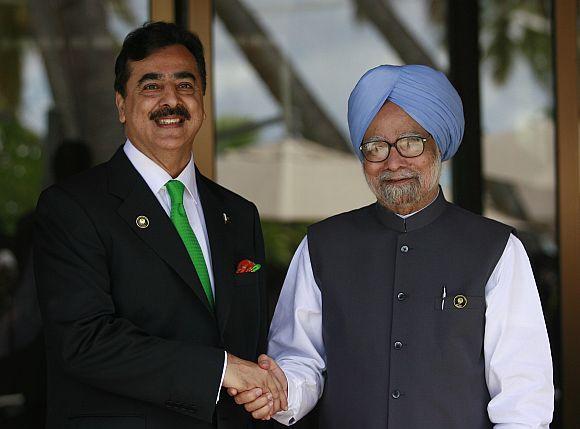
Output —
(179, 218)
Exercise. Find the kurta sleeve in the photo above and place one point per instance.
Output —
(518, 363)
(295, 339)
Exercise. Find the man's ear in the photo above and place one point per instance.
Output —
(120, 102)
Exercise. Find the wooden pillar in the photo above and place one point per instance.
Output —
(568, 159)
(162, 10)
(196, 16)
(200, 17)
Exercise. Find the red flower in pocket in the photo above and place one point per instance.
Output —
(247, 266)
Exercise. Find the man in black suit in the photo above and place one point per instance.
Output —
(147, 272)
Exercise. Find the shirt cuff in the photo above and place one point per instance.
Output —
(223, 375)
(288, 417)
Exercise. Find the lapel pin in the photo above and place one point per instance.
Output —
(226, 218)
(142, 222)
(460, 301)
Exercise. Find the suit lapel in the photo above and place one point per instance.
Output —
(221, 242)
(159, 234)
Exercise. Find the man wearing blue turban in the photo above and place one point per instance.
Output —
(423, 93)
(411, 312)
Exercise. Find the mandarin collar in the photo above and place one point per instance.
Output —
(418, 220)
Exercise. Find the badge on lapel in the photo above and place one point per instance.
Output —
(142, 221)
(460, 301)
(247, 266)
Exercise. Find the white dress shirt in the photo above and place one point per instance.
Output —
(518, 364)
(156, 178)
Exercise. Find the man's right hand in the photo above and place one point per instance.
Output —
(257, 403)
(257, 383)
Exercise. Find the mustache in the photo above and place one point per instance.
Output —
(398, 175)
(179, 111)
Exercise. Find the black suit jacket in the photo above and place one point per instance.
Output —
(131, 340)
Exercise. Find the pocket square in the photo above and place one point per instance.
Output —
(247, 266)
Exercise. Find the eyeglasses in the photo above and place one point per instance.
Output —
(378, 150)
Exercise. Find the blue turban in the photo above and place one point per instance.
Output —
(423, 93)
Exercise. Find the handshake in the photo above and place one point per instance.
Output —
(261, 388)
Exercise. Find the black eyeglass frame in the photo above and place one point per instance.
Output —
(389, 145)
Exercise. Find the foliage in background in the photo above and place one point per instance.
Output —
(511, 30)
(281, 241)
(13, 26)
(20, 173)
(517, 28)
(20, 150)
(227, 135)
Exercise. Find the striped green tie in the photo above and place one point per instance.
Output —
(179, 218)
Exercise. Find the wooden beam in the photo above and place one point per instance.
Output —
(162, 10)
(303, 113)
(568, 159)
(200, 22)
(198, 16)
(395, 33)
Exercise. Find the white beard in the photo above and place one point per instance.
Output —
(409, 193)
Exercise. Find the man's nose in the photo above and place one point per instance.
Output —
(394, 160)
(170, 96)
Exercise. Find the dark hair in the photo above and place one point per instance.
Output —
(152, 36)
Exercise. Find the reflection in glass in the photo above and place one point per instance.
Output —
(518, 138)
(57, 116)
(283, 73)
